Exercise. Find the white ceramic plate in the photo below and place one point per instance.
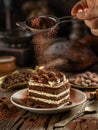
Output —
(77, 97)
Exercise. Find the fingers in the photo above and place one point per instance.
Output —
(94, 32)
(88, 14)
(87, 10)
(79, 7)
(84, 8)
(91, 3)
(93, 24)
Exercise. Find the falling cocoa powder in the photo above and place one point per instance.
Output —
(4, 109)
(41, 43)
(83, 123)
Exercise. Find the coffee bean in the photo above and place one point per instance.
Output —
(85, 79)
(21, 76)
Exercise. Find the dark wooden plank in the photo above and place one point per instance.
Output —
(13, 121)
(14, 118)
(53, 119)
(29, 119)
(3, 125)
(97, 123)
(40, 123)
(17, 125)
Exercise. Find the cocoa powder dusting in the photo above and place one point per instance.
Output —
(83, 123)
(6, 109)
(42, 23)
(3, 110)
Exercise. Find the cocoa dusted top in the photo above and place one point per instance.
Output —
(47, 77)
(42, 23)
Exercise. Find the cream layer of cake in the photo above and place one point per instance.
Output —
(49, 89)
(50, 98)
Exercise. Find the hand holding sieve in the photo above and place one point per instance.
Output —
(45, 23)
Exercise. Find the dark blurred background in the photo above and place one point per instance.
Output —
(19, 43)
(12, 11)
(19, 10)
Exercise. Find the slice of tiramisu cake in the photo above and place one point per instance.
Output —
(48, 88)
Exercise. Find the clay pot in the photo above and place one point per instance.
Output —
(7, 64)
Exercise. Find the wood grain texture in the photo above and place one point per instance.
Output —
(14, 118)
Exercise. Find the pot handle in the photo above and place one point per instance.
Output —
(22, 25)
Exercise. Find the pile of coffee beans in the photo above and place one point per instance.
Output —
(16, 79)
(87, 79)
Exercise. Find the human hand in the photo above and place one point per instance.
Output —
(87, 10)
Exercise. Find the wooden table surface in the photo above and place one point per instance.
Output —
(14, 118)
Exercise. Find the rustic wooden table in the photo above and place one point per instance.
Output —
(14, 118)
